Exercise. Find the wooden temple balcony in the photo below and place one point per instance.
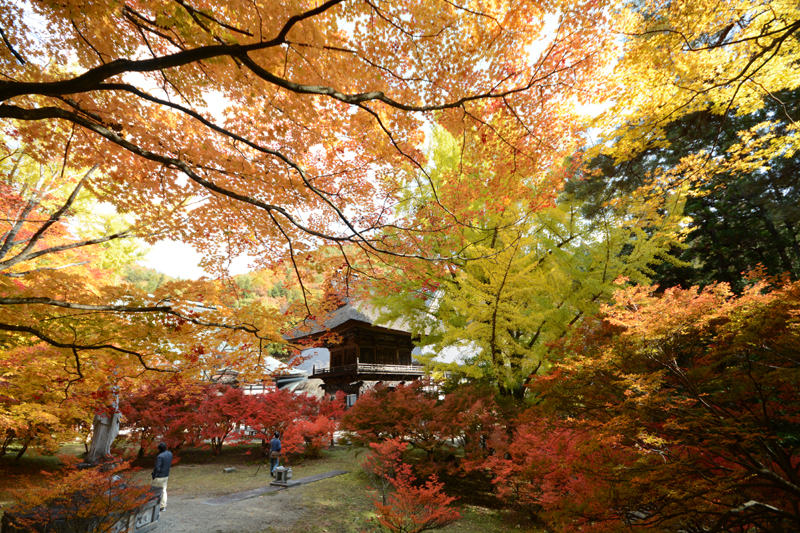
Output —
(369, 372)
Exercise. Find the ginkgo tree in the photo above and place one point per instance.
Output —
(533, 268)
(740, 219)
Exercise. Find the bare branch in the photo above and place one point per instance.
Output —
(128, 309)
(29, 272)
(197, 13)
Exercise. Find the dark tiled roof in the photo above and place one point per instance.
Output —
(359, 311)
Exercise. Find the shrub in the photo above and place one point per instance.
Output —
(411, 509)
(87, 500)
(381, 465)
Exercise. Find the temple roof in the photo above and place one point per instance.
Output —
(356, 311)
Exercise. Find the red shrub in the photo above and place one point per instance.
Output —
(413, 509)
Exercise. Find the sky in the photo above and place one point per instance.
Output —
(180, 260)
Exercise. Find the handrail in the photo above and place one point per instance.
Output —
(363, 368)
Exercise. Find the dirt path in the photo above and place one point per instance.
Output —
(267, 508)
(271, 512)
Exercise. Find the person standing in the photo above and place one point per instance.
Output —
(161, 472)
(274, 453)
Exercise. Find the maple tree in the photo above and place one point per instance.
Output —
(43, 395)
(411, 508)
(558, 474)
(336, 82)
(306, 423)
(157, 411)
(699, 390)
(57, 247)
(381, 465)
(264, 129)
(413, 414)
(33, 411)
(320, 420)
(217, 417)
(185, 412)
(62, 299)
(81, 500)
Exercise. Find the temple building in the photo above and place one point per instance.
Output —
(352, 354)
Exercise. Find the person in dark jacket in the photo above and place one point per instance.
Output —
(274, 453)
(161, 472)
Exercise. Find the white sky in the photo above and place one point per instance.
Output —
(180, 260)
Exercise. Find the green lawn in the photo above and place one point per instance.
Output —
(344, 502)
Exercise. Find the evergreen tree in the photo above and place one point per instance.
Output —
(739, 219)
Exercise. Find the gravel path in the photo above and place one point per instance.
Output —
(274, 509)
(271, 512)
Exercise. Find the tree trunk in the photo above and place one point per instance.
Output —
(8, 440)
(23, 450)
(105, 431)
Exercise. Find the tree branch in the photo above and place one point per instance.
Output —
(55, 217)
(131, 309)
(14, 52)
(81, 347)
(90, 79)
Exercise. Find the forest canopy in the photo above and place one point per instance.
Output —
(433, 151)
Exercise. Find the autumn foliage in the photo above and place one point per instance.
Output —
(405, 506)
(414, 414)
(698, 391)
(33, 411)
(298, 133)
(413, 508)
(196, 414)
(672, 410)
(381, 465)
(85, 500)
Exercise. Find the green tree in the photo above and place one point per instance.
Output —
(530, 270)
(144, 278)
(739, 218)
